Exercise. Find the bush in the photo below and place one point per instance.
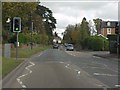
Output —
(24, 38)
(96, 43)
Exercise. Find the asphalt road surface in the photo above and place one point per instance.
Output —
(55, 68)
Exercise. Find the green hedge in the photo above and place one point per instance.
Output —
(97, 43)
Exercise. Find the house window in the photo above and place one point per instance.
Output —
(108, 23)
(108, 30)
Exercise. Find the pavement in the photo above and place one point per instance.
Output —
(102, 54)
(108, 55)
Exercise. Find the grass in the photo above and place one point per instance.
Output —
(27, 52)
(8, 65)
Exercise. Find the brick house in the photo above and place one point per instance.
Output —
(108, 28)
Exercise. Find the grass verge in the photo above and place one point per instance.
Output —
(27, 52)
(8, 64)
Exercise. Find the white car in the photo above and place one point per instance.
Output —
(70, 47)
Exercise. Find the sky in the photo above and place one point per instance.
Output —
(73, 11)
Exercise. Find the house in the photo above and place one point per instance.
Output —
(108, 28)
(57, 40)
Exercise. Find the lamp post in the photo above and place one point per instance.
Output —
(8, 23)
(8, 27)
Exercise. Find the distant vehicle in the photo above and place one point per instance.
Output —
(55, 46)
(70, 47)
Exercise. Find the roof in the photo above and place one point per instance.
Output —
(108, 24)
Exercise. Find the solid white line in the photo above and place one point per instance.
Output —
(96, 57)
(117, 85)
(102, 74)
(61, 62)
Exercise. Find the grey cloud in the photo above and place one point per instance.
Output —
(78, 10)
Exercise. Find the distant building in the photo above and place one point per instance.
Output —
(108, 28)
(57, 40)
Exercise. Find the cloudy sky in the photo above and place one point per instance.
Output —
(72, 12)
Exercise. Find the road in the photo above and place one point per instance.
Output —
(55, 68)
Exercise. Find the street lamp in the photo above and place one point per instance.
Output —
(8, 21)
(8, 27)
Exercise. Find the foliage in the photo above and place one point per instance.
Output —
(67, 36)
(8, 65)
(48, 19)
(41, 16)
(97, 24)
(84, 32)
(97, 43)
(24, 38)
(27, 52)
(17, 9)
(77, 34)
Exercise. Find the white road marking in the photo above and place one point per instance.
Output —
(117, 85)
(102, 74)
(30, 71)
(61, 62)
(105, 66)
(24, 86)
(68, 66)
(96, 57)
(78, 72)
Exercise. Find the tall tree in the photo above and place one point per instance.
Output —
(49, 20)
(84, 32)
(67, 34)
(98, 25)
(15, 9)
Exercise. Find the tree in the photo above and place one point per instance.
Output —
(84, 32)
(67, 36)
(15, 9)
(98, 25)
(47, 17)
